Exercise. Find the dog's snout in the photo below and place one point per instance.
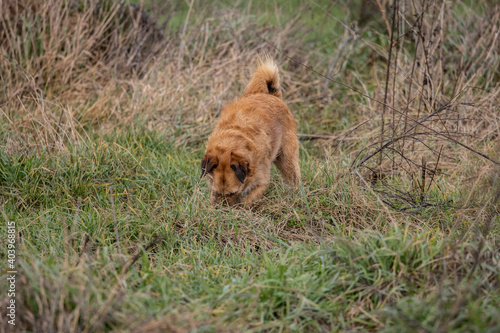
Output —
(225, 193)
(228, 198)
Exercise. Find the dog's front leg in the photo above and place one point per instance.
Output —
(254, 195)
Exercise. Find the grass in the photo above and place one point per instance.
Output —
(410, 244)
(310, 261)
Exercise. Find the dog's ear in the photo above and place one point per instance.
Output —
(207, 165)
(241, 170)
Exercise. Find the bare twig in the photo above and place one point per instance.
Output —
(386, 90)
(334, 62)
(422, 185)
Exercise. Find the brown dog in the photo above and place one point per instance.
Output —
(253, 132)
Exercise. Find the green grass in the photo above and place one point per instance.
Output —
(219, 269)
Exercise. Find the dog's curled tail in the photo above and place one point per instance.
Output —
(265, 79)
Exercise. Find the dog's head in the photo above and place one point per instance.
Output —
(226, 173)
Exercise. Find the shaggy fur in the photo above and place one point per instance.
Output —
(253, 132)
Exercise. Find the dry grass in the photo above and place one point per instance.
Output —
(107, 65)
(117, 68)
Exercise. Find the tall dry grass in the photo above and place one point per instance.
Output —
(59, 56)
(68, 65)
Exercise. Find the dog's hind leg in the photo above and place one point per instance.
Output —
(287, 161)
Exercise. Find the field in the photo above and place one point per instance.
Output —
(105, 108)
